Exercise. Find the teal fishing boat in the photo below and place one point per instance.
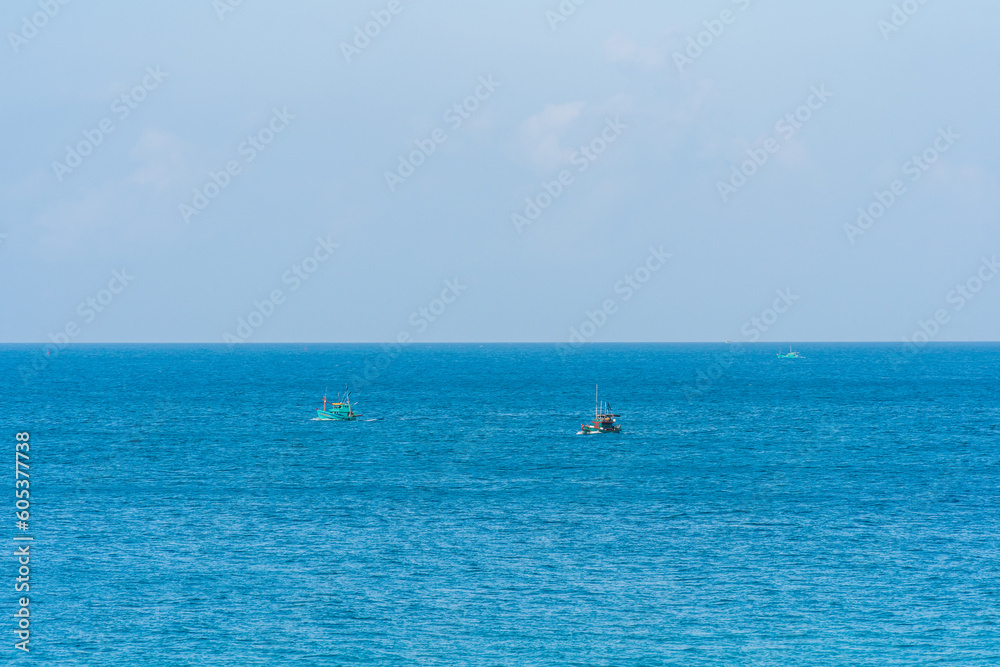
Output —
(790, 355)
(604, 420)
(338, 411)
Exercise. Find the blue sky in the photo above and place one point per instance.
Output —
(822, 106)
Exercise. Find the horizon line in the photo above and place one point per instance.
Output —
(575, 346)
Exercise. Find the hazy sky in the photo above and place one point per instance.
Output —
(170, 169)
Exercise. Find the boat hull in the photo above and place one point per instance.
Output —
(336, 416)
(600, 428)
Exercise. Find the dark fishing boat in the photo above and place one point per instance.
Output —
(604, 419)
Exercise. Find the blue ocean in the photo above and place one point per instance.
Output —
(186, 509)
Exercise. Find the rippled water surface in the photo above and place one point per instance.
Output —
(837, 509)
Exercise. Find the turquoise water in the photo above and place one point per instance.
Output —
(838, 509)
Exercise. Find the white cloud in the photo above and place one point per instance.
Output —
(540, 135)
(161, 156)
(619, 48)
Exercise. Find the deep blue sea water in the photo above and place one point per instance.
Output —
(838, 509)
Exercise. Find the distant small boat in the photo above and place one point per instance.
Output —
(604, 420)
(790, 355)
(338, 411)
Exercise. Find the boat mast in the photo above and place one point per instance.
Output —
(597, 404)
